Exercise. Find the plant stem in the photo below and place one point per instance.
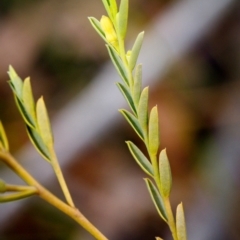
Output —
(171, 221)
(61, 180)
(155, 171)
(16, 188)
(72, 212)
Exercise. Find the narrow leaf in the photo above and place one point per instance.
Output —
(3, 138)
(158, 238)
(97, 26)
(127, 96)
(180, 223)
(113, 7)
(140, 158)
(137, 85)
(122, 18)
(38, 143)
(25, 115)
(43, 123)
(153, 132)
(136, 50)
(117, 63)
(133, 122)
(143, 111)
(165, 173)
(107, 7)
(28, 100)
(16, 81)
(156, 198)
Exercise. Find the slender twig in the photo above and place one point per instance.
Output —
(60, 177)
(72, 212)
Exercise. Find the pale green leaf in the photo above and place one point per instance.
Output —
(158, 238)
(133, 122)
(143, 111)
(28, 101)
(127, 96)
(136, 50)
(106, 4)
(180, 223)
(153, 132)
(97, 26)
(137, 84)
(25, 115)
(122, 18)
(157, 199)
(16, 82)
(113, 7)
(165, 174)
(117, 63)
(3, 138)
(38, 143)
(140, 158)
(44, 126)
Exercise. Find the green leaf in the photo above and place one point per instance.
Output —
(106, 4)
(97, 26)
(165, 174)
(113, 7)
(3, 138)
(143, 111)
(140, 158)
(25, 115)
(137, 84)
(16, 82)
(136, 50)
(180, 223)
(133, 122)
(157, 199)
(28, 100)
(38, 143)
(44, 123)
(122, 19)
(117, 63)
(127, 96)
(153, 132)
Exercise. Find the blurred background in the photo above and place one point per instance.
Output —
(191, 60)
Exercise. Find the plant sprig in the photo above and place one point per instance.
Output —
(39, 131)
(112, 29)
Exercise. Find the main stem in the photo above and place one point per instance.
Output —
(171, 221)
(72, 212)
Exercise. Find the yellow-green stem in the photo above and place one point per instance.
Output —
(156, 171)
(72, 212)
(16, 188)
(171, 221)
(61, 180)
